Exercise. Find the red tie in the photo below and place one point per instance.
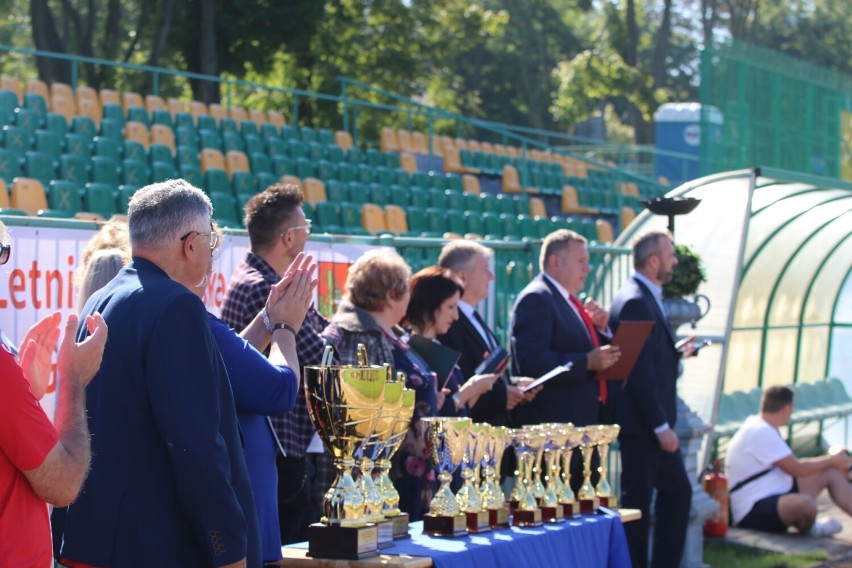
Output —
(593, 334)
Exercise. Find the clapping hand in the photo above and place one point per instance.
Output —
(36, 352)
(290, 299)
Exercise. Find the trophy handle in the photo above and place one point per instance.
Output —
(361, 355)
(327, 356)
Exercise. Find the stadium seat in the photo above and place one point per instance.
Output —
(243, 183)
(571, 203)
(111, 129)
(260, 163)
(160, 153)
(210, 158)
(314, 190)
(277, 119)
(28, 195)
(163, 135)
(162, 117)
(253, 143)
(343, 140)
(197, 109)
(162, 171)
(65, 196)
(104, 170)
(17, 139)
(8, 104)
(456, 222)
(217, 112)
(13, 85)
(337, 190)
(38, 165)
(627, 216)
(186, 137)
(77, 145)
(258, 117)
(57, 124)
(505, 203)
(28, 119)
(107, 147)
(216, 181)
(10, 165)
(138, 114)
(236, 161)
(328, 217)
(359, 192)
(138, 132)
(133, 150)
(537, 207)
(91, 109)
(136, 172)
(176, 106)
(395, 220)
(193, 175)
(379, 194)
(155, 102)
(373, 219)
(388, 139)
(225, 209)
(74, 168)
(350, 219)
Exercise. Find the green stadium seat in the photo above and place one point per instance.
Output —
(84, 126)
(402, 177)
(325, 170)
(28, 120)
(216, 181)
(260, 163)
(210, 139)
(437, 198)
(304, 168)
(186, 137)
(399, 195)
(187, 156)
(289, 132)
(511, 228)
(184, 120)
(364, 174)
(17, 139)
(350, 219)
(113, 112)
(275, 146)
(228, 125)
(527, 227)
(325, 136)
(296, 149)
(193, 175)
(160, 153)
(436, 222)
(74, 168)
(307, 134)
(110, 129)
(522, 204)
(472, 202)
(316, 151)
(454, 182)
(282, 165)
(474, 222)
(136, 172)
(355, 156)
(162, 171)
(138, 114)
(161, 116)
(8, 104)
(346, 172)
(249, 128)
(490, 203)
(418, 221)
(543, 226)
(390, 160)
(107, 148)
(328, 217)
(253, 143)
(65, 196)
(243, 183)
(49, 143)
(308, 210)
(100, 198)
(437, 180)
(225, 209)
(232, 142)
(505, 203)
(454, 200)
(335, 154)
(135, 151)
(104, 170)
(419, 197)
(57, 124)
(78, 146)
(421, 180)
(379, 194)
(456, 223)
(373, 158)
(264, 180)
(206, 122)
(268, 130)
(383, 176)
(359, 192)
(493, 226)
(38, 165)
(35, 103)
(336, 190)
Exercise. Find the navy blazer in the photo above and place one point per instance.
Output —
(648, 398)
(490, 407)
(168, 484)
(546, 332)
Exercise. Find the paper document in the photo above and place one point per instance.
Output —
(547, 376)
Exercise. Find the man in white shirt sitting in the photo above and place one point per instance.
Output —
(770, 488)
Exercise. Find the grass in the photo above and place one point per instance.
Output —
(727, 555)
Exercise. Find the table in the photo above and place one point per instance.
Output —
(586, 541)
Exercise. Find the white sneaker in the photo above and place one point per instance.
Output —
(826, 527)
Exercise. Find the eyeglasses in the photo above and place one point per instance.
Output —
(214, 238)
(5, 253)
(307, 227)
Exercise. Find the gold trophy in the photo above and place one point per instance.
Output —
(373, 498)
(527, 512)
(493, 498)
(587, 495)
(446, 441)
(603, 490)
(344, 403)
(390, 507)
(469, 498)
(573, 438)
(551, 509)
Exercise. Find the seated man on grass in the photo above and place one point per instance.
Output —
(770, 488)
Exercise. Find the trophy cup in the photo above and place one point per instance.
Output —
(527, 513)
(344, 403)
(551, 509)
(492, 495)
(603, 490)
(469, 498)
(573, 437)
(446, 440)
(373, 497)
(587, 495)
(390, 508)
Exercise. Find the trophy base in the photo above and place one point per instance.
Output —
(610, 501)
(385, 530)
(589, 506)
(526, 518)
(498, 518)
(342, 543)
(513, 505)
(400, 525)
(552, 514)
(477, 522)
(441, 525)
(571, 509)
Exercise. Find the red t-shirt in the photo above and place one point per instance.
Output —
(26, 437)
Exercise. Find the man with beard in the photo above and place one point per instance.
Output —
(646, 409)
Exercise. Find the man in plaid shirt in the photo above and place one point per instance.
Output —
(278, 230)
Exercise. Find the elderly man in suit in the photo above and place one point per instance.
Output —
(646, 409)
(168, 485)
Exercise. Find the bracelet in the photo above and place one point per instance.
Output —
(283, 325)
(265, 315)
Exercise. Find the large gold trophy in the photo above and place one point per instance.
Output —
(603, 490)
(526, 513)
(592, 435)
(492, 495)
(469, 497)
(551, 510)
(390, 508)
(446, 440)
(573, 439)
(344, 403)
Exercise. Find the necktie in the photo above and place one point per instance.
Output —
(593, 334)
(488, 339)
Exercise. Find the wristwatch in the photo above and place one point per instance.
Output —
(272, 327)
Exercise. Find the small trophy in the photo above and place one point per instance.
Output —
(573, 437)
(527, 512)
(492, 495)
(373, 497)
(390, 509)
(344, 403)
(551, 510)
(446, 441)
(469, 498)
(604, 491)
(587, 495)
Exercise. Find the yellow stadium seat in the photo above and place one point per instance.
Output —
(408, 162)
(131, 99)
(276, 118)
(452, 162)
(109, 97)
(239, 114)
(395, 219)
(487, 148)
(474, 146)
(87, 216)
(196, 109)
(92, 109)
(461, 144)
(217, 111)
(64, 106)
(373, 218)
(501, 150)
(513, 152)
(421, 143)
(28, 195)
(38, 87)
(258, 117)
(14, 85)
(291, 180)
(58, 89)
(404, 141)
(627, 216)
(85, 93)
(314, 191)
(511, 181)
(236, 161)
(604, 230)
(154, 102)
(470, 184)
(211, 159)
(571, 203)
(138, 132)
(4, 195)
(176, 106)
(162, 134)
(343, 140)
(388, 140)
(537, 207)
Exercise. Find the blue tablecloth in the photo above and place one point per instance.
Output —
(588, 541)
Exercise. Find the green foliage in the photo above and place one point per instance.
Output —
(722, 554)
(688, 274)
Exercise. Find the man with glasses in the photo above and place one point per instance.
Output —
(40, 462)
(168, 484)
(278, 231)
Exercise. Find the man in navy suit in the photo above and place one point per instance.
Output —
(646, 409)
(168, 484)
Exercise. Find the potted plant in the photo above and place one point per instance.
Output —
(688, 276)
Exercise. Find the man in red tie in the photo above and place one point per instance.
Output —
(551, 327)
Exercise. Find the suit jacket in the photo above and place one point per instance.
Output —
(463, 337)
(648, 398)
(546, 332)
(168, 484)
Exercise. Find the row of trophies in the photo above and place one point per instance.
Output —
(362, 414)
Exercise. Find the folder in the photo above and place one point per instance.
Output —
(630, 338)
(440, 358)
